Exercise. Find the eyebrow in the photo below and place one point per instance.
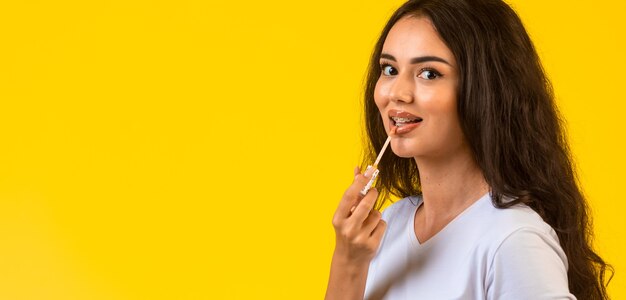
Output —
(417, 60)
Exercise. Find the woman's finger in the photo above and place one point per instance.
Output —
(364, 207)
(371, 222)
(352, 196)
(378, 232)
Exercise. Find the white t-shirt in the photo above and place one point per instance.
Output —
(484, 253)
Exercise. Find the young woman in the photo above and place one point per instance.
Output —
(491, 207)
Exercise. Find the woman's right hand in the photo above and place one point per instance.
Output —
(359, 230)
(358, 227)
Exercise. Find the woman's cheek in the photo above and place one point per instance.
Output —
(379, 95)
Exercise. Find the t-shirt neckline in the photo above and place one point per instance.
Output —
(411, 228)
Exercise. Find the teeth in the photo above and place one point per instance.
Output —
(402, 120)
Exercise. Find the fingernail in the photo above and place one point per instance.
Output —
(367, 172)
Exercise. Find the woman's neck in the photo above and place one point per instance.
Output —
(449, 186)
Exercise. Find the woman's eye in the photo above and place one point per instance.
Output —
(389, 70)
(429, 74)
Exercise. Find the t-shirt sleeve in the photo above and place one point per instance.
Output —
(528, 264)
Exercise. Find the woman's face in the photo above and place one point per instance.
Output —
(416, 92)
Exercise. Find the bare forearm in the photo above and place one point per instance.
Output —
(359, 230)
(347, 281)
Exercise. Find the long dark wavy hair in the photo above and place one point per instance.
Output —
(508, 115)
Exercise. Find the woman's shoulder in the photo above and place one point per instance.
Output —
(402, 206)
(515, 218)
(495, 226)
(524, 248)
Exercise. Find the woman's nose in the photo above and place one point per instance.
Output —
(402, 90)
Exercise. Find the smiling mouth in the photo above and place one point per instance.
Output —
(403, 121)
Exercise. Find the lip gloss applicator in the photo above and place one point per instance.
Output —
(368, 186)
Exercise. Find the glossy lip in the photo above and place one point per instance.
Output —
(402, 114)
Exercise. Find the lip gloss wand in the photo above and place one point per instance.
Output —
(368, 186)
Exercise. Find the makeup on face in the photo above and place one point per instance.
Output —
(416, 90)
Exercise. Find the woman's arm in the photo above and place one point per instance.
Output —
(358, 230)
(347, 280)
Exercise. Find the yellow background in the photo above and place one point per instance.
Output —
(197, 149)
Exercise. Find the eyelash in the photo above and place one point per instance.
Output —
(383, 65)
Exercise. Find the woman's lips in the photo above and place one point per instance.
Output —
(404, 128)
(402, 114)
(402, 122)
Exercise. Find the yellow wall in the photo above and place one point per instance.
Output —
(197, 149)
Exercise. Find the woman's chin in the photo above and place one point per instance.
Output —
(403, 150)
(403, 155)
